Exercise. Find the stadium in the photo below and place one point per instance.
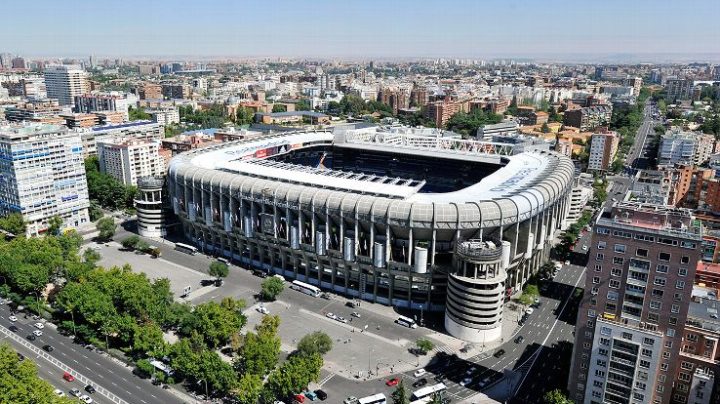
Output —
(388, 215)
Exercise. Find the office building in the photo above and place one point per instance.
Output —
(588, 118)
(43, 175)
(603, 148)
(64, 82)
(630, 322)
(129, 159)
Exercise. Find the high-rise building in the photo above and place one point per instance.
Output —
(88, 103)
(678, 89)
(603, 148)
(42, 174)
(143, 130)
(130, 159)
(630, 322)
(64, 82)
(588, 118)
(689, 148)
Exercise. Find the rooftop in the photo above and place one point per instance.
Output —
(661, 219)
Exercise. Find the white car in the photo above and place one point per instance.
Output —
(419, 372)
(341, 319)
(585, 248)
(37, 333)
(263, 310)
(355, 314)
(39, 326)
(75, 392)
(529, 310)
(331, 316)
(466, 381)
(12, 318)
(86, 398)
(59, 393)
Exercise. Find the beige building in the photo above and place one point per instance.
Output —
(129, 159)
(65, 82)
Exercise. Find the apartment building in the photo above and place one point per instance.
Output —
(580, 195)
(678, 89)
(36, 111)
(695, 378)
(149, 91)
(43, 175)
(129, 159)
(166, 116)
(603, 148)
(142, 130)
(638, 286)
(64, 82)
(88, 103)
(588, 118)
(506, 128)
(690, 148)
(176, 91)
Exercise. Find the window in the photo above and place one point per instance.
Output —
(588, 334)
(639, 396)
(684, 259)
(610, 307)
(648, 341)
(668, 344)
(659, 281)
(686, 365)
(680, 285)
(670, 332)
(664, 367)
(612, 296)
(641, 252)
(653, 317)
(684, 376)
(619, 248)
(614, 283)
(596, 394)
(596, 280)
(590, 324)
(646, 352)
(597, 383)
(672, 320)
(682, 271)
(601, 245)
(598, 268)
(644, 364)
(640, 385)
(605, 341)
(655, 304)
(662, 378)
(594, 290)
(675, 308)
(618, 260)
(657, 293)
(628, 336)
(616, 272)
(600, 373)
(591, 313)
(691, 337)
(643, 376)
(677, 297)
(602, 352)
(606, 331)
(663, 256)
(662, 268)
(599, 256)
(586, 345)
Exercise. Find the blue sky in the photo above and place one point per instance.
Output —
(358, 28)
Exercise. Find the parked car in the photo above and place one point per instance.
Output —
(355, 314)
(350, 400)
(466, 381)
(262, 309)
(13, 328)
(341, 319)
(48, 348)
(420, 382)
(37, 333)
(12, 318)
(86, 399)
(392, 382)
(70, 378)
(31, 337)
(419, 372)
(499, 353)
(75, 392)
(325, 296)
(59, 393)
(322, 395)
(519, 339)
(90, 389)
(39, 326)
(311, 395)
(529, 310)
(331, 316)
(260, 273)
(352, 303)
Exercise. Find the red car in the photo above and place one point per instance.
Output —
(67, 376)
(393, 382)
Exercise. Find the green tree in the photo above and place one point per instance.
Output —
(244, 116)
(142, 245)
(13, 223)
(106, 228)
(271, 287)
(91, 257)
(147, 338)
(468, 123)
(130, 241)
(218, 269)
(137, 114)
(424, 345)
(315, 343)
(215, 322)
(556, 397)
(294, 375)
(400, 394)
(261, 349)
(249, 389)
(279, 108)
(303, 105)
(19, 381)
(145, 367)
(54, 225)
(545, 128)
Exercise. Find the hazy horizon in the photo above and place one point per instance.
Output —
(549, 30)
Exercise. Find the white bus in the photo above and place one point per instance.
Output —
(428, 391)
(406, 321)
(425, 400)
(378, 398)
(186, 248)
(305, 288)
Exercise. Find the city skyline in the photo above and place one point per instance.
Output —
(611, 31)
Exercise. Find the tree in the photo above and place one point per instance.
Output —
(215, 322)
(147, 338)
(54, 225)
(556, 397)
(545, 128)
(130, 241)
(424, 345)
(315, 343)
(249, 389)
(91, 257)
(261, 349)
(243, 116)
(400, 395)
(218, 269)
(271, 287)
(106, 226)
(279, 108)
(294, 375)
(19, 381)
(142, 245)
(137, 114)
(468, 123)
(13, 223)
(303, 105)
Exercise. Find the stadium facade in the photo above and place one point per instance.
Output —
(391, 216)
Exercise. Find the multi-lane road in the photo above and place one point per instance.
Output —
(99, 368)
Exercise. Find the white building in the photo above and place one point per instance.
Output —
(145, 130)
(165, 116)
(64, 82)
(580, 196)
(691, 148)
(97, 102)
(603, 148)
(507, 128)
(42, 174)
(130, 159)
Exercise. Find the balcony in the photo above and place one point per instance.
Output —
(636, 282)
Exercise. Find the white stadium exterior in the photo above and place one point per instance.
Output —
(385, 215)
